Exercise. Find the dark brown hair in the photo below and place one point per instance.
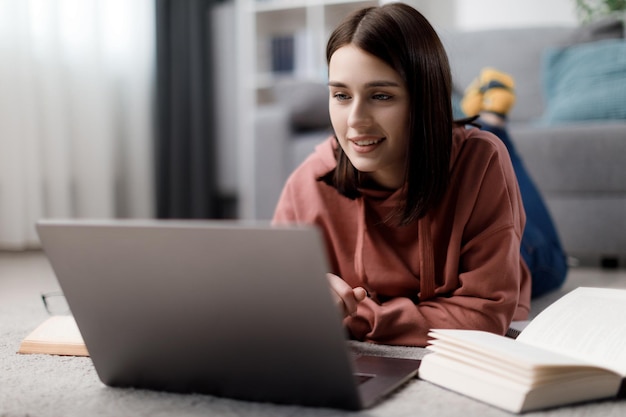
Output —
(402, 37)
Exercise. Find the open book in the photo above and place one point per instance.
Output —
(57, 335)
(573, 351)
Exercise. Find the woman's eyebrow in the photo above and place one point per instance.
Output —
(381, 83)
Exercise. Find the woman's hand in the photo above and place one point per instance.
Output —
(346, 298)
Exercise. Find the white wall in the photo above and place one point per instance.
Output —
(479, 14)
(486, 14)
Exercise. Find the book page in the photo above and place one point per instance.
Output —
(56, 335)
(501, 351)
(587, 323)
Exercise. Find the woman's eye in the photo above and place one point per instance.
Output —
(382, 97)
(341, 96)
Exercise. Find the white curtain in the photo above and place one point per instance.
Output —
(76, 112)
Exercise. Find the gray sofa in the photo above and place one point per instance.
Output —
(578, 164)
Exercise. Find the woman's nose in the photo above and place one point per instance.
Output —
(359, 114)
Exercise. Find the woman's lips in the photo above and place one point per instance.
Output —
(366, 144)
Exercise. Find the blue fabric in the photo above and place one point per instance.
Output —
(457, 111)
(585, 82)
(541, 245)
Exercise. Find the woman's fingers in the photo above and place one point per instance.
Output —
(346, 297)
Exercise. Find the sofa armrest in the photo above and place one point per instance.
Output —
(584, 157)
(271, 148)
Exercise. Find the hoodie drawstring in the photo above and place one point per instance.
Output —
(359, 266)
(427, 261)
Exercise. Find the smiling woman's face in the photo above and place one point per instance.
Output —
(369, 111)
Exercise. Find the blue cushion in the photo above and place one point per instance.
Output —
(457, 111)
(585, 82)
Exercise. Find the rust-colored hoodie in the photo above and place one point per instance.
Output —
(458, 267)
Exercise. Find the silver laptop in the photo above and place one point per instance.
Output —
(232, 309)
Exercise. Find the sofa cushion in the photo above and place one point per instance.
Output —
(585, 82)
(516, 51)
(607, 28)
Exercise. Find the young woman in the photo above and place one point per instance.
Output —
(422, 217)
